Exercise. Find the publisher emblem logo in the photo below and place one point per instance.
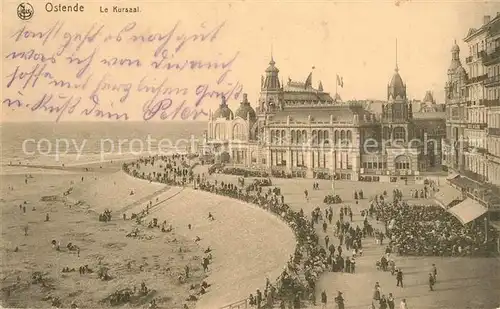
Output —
(25, 11)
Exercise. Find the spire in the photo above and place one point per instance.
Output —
(397, 69)
(272, 57)
(320, 86)
(308, 82)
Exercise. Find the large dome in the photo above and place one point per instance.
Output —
(245, 110)
(223, 111)
(397, 88)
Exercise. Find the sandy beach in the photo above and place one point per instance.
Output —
(243, 240)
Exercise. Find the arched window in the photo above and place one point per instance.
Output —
(218, 131)
(283, 136)
(272, 136)
(326, 138)
(386, 133)
(455, 133)
(304, 136)
(315, 138)
(400, 133)
(238, 132)
(336, 137)
(299, 137)
(342, 137)
(320, 137)
(402, 162)
(349, 136)
(294, 137)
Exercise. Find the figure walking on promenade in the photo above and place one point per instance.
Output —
(434, 272)
(431, 282)
(324, 300)
(399, 278)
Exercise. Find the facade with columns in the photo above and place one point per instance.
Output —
(300, 130)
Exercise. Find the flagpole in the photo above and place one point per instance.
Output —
(336, 88)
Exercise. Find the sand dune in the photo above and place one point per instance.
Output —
(248, 242)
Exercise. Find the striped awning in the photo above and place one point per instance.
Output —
(468, 210)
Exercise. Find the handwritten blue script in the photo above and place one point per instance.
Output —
(127, 72)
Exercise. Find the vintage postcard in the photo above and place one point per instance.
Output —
(250, 154)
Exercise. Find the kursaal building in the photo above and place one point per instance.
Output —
(301, 131)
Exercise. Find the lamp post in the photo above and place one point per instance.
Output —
(486, 228)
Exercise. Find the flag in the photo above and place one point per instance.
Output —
(340, 81)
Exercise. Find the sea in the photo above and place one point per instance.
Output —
(50, 143)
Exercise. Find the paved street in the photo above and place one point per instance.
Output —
(462, 282)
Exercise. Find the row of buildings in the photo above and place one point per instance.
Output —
(471, 149)
(300, 130)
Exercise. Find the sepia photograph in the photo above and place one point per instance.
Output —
(250, 154)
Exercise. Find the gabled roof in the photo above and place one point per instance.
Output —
(471, 32)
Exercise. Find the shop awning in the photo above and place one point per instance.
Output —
(452, 176)
(446, 195)
(468, 210)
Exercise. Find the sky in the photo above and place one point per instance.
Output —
(356, 40)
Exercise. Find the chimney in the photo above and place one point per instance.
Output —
(487, 19)
(245, 98)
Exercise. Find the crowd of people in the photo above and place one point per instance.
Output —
(409, 230)
(176, 170)
(428, 230)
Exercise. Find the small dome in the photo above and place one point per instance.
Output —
(397, 88)
(223, 111)
(455, 48)
(245, 109)
(271, 67)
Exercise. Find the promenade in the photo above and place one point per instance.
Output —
(462, 282)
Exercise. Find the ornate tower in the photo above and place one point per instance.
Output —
(271, 92)
(456, 110)
(397, 113)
